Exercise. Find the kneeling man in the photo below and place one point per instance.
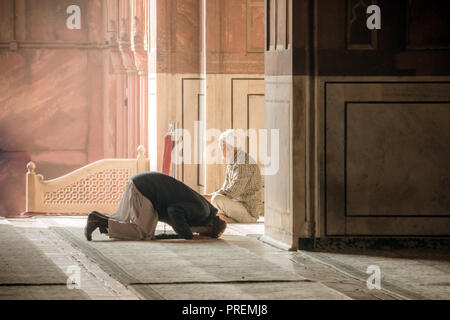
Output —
(153, 196)
(239, 199)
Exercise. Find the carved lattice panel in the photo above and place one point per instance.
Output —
(104, 187)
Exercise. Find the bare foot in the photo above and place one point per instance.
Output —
(226, 218)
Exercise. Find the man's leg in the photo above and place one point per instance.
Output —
(141, 218)
(95, 220)
(232, 209)
(135, 219)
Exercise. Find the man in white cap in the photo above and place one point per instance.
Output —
(239, 199)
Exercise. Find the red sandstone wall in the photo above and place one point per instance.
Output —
(51, 92)
(234, 43)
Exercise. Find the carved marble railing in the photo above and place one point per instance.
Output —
(96, 186)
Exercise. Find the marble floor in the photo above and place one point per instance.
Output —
(405, 274)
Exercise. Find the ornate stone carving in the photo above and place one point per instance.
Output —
(104, 187)
(96, 186)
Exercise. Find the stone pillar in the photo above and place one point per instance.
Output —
(139, 46)
(288, 69)
(128, 89)
(152, 121)
(132, 86)
(117, 93)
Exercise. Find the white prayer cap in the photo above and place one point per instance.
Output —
(230, 137)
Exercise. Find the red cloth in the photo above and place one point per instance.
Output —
(168, 145)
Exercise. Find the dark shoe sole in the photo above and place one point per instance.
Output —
(88, 236)
(87, 232)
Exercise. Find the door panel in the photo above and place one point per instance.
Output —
(248, 113)
(387, 160)
(193, 122)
